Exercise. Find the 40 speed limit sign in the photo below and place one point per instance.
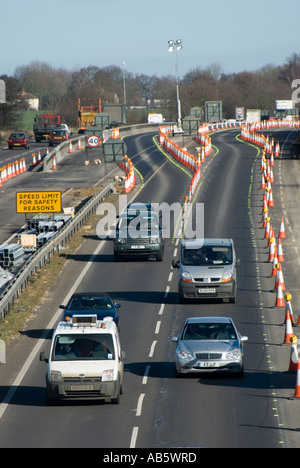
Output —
(93, 141)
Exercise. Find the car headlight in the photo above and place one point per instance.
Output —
(107, 375)
(154, 240)
(182, 354)
(55, 376)
(186, 276)
(227, 276)
(121, 240)
(235, 354)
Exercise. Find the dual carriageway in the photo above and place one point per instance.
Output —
(157, 410)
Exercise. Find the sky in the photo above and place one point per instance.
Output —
(237, 35)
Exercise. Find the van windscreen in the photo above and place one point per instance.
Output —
(212, 255)
(87, 347)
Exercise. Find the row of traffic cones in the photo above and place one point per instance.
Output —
(276, 256)
(12, 170)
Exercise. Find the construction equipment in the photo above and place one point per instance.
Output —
(87, 114)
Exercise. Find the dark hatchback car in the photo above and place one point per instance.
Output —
(18, 139)
(91, 303)
(58, 136)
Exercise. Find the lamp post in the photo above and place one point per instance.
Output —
(176, 45)
(124, 82)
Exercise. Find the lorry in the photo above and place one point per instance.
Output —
(85, 360)
(87, 114)
(43, 124)
(253, 115)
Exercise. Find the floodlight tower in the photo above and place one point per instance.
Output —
(176, 46)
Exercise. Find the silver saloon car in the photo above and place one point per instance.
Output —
(209, 344)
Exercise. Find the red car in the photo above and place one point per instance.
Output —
(18, 139)
(58, 136)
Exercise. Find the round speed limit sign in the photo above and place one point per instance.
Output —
(93, 141)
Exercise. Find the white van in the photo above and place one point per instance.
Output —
(85, 360)
(207, 269)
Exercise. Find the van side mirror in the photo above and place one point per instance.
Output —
(175, 263)
(237, 262)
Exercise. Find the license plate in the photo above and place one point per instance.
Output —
(137, 247)
(82, 387)
(207, 364)
(206, 290)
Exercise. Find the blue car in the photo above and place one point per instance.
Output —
(91, 303)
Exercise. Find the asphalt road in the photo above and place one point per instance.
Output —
(158, 410)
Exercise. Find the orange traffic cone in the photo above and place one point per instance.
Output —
(70, 147)
(267, 230)
(297, 389)
(274, 269)
(39, 157)
(79, 146)
(280, 278)
(279, 297)
(281, 230)
(288, 328)
(270, 200)
(280, 253)
(294, 359)
(54, 163)
(33, 159)
(272, 249)
(288, 298)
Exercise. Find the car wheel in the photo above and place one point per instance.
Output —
(116, 400)
(178, 374)
(117, 257)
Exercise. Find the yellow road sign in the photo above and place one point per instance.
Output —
(38, 202)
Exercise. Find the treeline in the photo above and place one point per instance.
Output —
(59, 89)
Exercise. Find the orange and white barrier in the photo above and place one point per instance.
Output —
(127, 166)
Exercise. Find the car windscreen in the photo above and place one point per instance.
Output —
(135, 223)
(208, 331)
(89, 302)
(83, 347)
(212, 255)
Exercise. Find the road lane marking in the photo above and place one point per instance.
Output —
(146, 373)
(140, 404)
(152, 349)
(157, 328)
(134, 435)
